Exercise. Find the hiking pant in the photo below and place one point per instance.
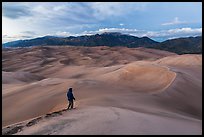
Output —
(70, 104)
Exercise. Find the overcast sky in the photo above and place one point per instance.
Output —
(157, 20)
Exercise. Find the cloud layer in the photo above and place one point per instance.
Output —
(32, 19)
(15, 11)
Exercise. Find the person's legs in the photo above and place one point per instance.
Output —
(72, 104)
(69, 104)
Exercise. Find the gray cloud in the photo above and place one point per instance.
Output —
(15, 11)
(29, 32)
(104, 10)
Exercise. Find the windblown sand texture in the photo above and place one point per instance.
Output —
(118, 90)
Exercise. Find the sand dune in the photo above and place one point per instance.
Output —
(138, 88)
(138, 75)
(109, 123)
(19, 77)
(181, 60)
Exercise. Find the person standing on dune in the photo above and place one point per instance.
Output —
(70, 97)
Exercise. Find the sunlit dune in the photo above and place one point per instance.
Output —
(182, 60)
(138, 75)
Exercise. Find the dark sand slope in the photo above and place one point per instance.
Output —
(127, 91)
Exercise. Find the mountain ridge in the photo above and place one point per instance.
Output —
(183, 45)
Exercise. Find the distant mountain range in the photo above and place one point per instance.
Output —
(179, 45)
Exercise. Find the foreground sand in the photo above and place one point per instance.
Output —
(118, 90)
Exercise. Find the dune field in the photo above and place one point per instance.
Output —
(118, 90)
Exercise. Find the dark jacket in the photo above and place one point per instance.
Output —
(70, 95)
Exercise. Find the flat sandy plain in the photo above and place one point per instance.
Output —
(118, 90)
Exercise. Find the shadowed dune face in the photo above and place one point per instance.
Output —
(19, 77)
(138, 79)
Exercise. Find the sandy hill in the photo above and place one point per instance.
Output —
(118, 91)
